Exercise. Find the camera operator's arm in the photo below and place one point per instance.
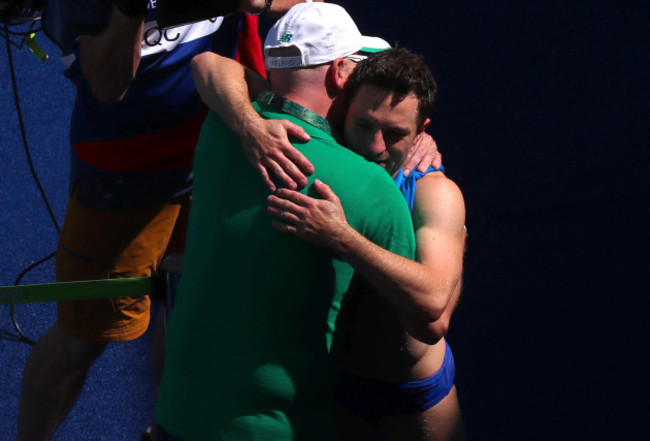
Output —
(110, 59)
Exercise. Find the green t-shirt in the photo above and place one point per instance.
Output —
(248, 340)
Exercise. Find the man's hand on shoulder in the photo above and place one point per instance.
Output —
(423, 154)
(268, 148)
(227, 88)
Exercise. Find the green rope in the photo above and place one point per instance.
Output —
(83, 290)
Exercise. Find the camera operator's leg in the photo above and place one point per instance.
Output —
(53, 378)
(94, 244)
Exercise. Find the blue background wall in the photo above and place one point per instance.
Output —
(542, 121)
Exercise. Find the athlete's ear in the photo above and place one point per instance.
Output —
(421, 130)
(425, 124)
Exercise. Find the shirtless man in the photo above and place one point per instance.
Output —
(397, 370)
(397, 337)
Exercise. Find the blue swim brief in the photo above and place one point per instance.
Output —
(372, 399)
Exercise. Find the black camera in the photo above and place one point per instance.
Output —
(20, 11)
(178, 12)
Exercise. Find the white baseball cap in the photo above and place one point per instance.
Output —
(322, 32)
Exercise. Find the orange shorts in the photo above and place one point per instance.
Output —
(102, 244)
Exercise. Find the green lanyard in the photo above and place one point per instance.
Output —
(83, 290)
(289, 107)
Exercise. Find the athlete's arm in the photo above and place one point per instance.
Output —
(421, 289)
(227, 88)
(439, 222)
(110, 59)
(433, 331)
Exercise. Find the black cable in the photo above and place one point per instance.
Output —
(29, 31)
(17, 282)
(23, 133)
(16, 12)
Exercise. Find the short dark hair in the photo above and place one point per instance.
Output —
(400, 71)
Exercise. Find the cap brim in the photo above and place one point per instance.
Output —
(372, 45)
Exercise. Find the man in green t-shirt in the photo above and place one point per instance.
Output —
(248, 343)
